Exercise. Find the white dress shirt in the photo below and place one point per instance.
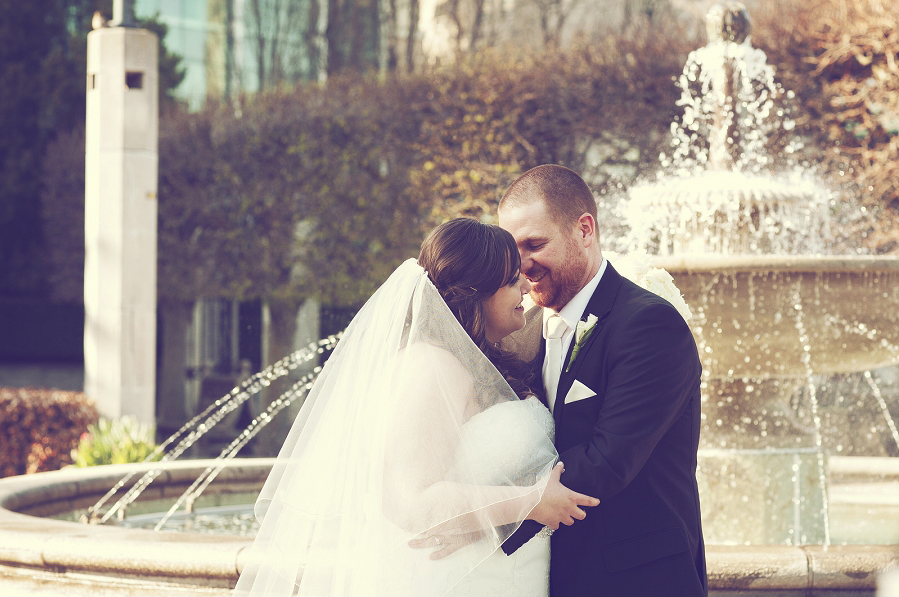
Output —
(571, 313)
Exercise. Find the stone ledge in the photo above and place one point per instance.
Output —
(838, 264)
(761, 567)
(849, 566)
(801, 568)
(114, 555)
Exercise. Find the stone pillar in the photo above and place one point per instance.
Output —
(120, 221)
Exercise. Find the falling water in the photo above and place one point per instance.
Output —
(697, 139)
(781, 298)
(211, 416)
(190, 495)
(805, 345)
(875, 390)
(720, 191)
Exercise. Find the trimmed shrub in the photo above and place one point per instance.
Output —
(39, 428)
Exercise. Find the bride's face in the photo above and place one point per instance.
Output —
(503, 311)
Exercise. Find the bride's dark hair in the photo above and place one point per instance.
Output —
(468, 262)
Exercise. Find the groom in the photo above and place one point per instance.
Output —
(623, 387)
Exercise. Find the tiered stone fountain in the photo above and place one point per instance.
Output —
(748, 238)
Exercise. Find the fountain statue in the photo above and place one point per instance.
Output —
(751, 242)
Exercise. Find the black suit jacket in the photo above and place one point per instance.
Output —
(633, 445)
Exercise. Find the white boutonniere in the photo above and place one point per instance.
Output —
(581, 332)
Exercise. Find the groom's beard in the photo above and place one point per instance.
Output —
(557, 287)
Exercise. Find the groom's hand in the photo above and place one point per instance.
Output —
(560, 505)
(444, 545)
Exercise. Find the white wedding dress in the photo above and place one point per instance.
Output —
(505, 438)
(409, 433)
(508, 448)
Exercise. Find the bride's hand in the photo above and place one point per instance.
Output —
(560, 505)
(444, 545)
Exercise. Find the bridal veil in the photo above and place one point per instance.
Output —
(379, 455)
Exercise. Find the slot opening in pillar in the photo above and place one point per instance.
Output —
(134, 80)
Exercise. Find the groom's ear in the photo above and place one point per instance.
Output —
(586, 226)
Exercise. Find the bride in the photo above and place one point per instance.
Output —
(419, 432)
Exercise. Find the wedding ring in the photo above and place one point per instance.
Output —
(437, 539)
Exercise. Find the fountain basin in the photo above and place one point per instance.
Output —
(115, 559)
(772, 316)
(111, 556)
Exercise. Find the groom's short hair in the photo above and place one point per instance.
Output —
(565, 194)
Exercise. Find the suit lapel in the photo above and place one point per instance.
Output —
(600, 305)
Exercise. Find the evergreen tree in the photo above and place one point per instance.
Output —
(29, 36)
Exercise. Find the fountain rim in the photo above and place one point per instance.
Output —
(114, 556)
(836, 264)
(111, 554)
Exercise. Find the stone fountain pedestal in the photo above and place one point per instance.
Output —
(767, 328)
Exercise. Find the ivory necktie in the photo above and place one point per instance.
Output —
(552, 368)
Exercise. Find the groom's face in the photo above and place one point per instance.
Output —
(552, 256)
